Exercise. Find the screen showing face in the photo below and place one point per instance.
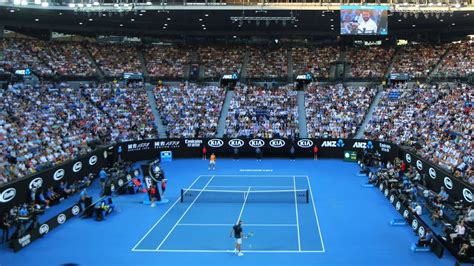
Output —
(364, 20)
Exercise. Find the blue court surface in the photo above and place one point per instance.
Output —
(301, 212)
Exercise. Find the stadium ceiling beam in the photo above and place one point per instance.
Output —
(228, 7)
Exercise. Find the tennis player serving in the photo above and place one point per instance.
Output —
(238, 234)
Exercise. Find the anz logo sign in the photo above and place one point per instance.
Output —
(363, 145)
(277, 143)
(256, 143)
(333, 144)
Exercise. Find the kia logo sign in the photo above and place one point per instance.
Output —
(421, 231)
(408, 158)
(405, 214)
(7, 195)
(92, 160)
(305, 143)
(432, 173)
(36, 183)
(256, 143)
(419, 165)
(59, 174)
(414, 224)
(75, 210)
(61, 218)
(44, 229)
(277, 143)
(216, 143)
(236, 143)
(467, 195)
(448, 183)
(398, 205)
(77, 167)
(392, 198)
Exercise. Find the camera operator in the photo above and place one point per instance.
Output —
(22, 218)
(5, 227)
(35, 210)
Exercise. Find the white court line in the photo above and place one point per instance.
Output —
(297, 219)
(186, 211)
(244, 175)
(163, 216)
(227, 251)
(243, 205)
(252, 186)
(263, 225)
(245, 191)
(315, 213)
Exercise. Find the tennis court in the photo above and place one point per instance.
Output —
(278, 209)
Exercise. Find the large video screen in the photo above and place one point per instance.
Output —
(364, 20)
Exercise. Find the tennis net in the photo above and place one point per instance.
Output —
(248, 196)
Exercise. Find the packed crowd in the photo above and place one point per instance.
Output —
(127, 107)
(316, 60)
(263, 112)
(68, 58)
(218, 61)
(166, 61)
(369, 61)
(25, 53)
(417, 59)
(436, 119)
(336, 111)
(190, 111)
(48, 58)
(459, 61)
(44, 126)
(271, 62)
(115, 59)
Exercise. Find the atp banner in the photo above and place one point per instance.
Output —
(19, 191)
(436, 177)
(248, 147)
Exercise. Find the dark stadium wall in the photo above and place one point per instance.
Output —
(18, 192)
(246, 147)
(434, 176)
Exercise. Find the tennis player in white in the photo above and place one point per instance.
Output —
(238, 234)
(367, 25)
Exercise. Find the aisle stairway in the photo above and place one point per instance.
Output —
(141, 58)
(368, 115)
(224, 111)
(302, 115)
(154, 109)
(243, 72)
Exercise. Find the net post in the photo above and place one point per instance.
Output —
(307, 196)
(182, 193)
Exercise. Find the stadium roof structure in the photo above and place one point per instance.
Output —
(238, 18)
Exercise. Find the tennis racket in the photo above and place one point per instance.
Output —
(249, 235)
